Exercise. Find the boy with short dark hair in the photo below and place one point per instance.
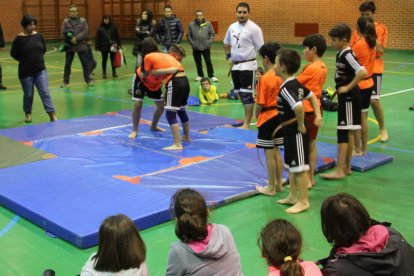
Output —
(289, 104)
(268, 119)
(348, 73)
(207, 93)
(313, 77)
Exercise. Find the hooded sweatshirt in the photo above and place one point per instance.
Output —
(89, 270)
(381, 251)
(216, 255)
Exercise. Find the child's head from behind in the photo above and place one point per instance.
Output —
(205, 84)
(268, 51)
(340, 35)
(149, 45)
(367, 8)
(190, 210)
(281, 244)
(314, 45)
(120, 245)
(343, 211)
(177, 51)
(287, 62)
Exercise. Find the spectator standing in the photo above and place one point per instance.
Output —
(107, 41)
(75, 30)
(200, 35)
(169, 29)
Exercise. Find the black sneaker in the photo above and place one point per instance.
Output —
(2, 87)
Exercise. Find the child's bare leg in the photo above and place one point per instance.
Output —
(364, 132)
(339, 171)
(271, 174)
(175, 129)
(313, 155)
(279, 170)
(292, 199)
(379, 115)
(356, 138)
(303, 202)
(186, 132)
(136, 116)
(248, 114)
(157, 115)
(348, 160)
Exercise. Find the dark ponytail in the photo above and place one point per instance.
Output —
(281, 243)
(190, 211)
(367, 28)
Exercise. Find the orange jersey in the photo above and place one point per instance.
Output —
(365, 57)
(382, 36)
(313, 77)
(153, 61)
(267, 91)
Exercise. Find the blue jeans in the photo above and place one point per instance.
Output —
(40, 80)
(84, 59)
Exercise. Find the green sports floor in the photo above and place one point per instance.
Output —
(387, 192)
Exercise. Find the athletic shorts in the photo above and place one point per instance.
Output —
(349, 110)
(376, 93)
(366, 98)
(244, 84)
(311, 129)
(265, 136)
(139, 91)
(177, 92)
(296, 152)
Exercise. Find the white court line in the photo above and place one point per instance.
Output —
(396, 92)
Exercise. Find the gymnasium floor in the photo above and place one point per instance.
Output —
(386, 191)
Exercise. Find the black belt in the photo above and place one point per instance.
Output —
(243, 61)
(267, 108)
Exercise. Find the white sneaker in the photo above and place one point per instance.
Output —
(214, 79)
(198, 78)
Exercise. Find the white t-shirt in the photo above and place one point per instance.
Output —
(244, 40)
(89, 270)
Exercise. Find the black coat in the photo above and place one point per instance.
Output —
(106, 36)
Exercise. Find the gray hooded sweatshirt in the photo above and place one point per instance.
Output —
(219, 258)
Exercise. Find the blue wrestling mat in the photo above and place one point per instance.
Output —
(97, 171)
(359, 163)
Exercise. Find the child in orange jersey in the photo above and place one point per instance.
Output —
(368, 8)
(364, 50)
(268, 120)
(313, 77)
(146, 84)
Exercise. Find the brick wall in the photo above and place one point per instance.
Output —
(277, 18)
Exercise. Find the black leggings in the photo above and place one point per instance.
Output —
(105, 59)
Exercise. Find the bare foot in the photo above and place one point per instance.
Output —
(173, 147)
(245, 126)
(279, 188)
(133, 135)
(185, 139)
(335, 175)
(297, 208)
(384, 135)
(266, 190)
(348, 172)
(356, 152)
(157, 128)
(287, 201)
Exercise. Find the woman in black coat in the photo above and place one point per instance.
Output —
(107, 41)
